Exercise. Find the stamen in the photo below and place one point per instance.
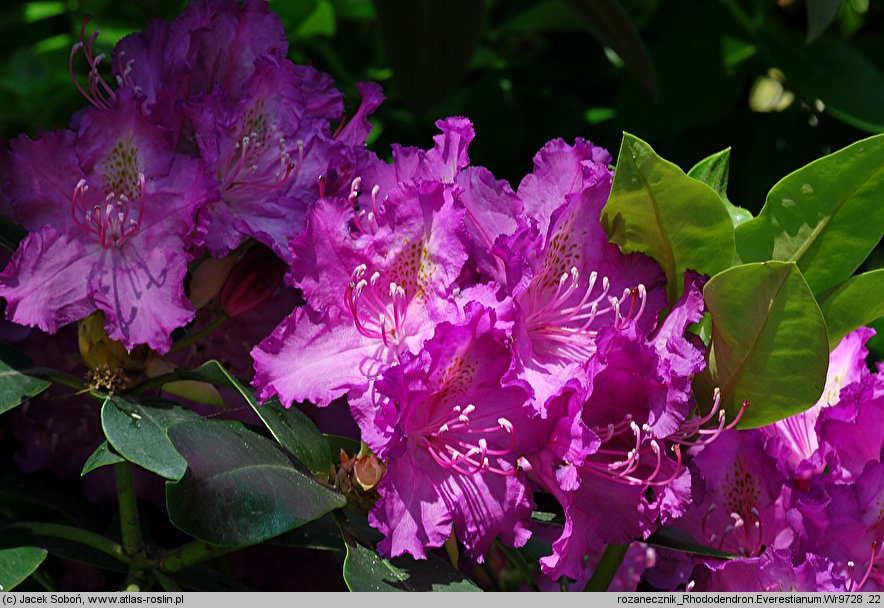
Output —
(448, 441)
(100, 94)
(376, 313)
(109, 224)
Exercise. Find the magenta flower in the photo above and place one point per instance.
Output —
(849, 529)
(212, 43)
(379, 281)
(108, 209)
(799, 436)
(452, 437)
(267, 151)
(566, 278)
(611, 460)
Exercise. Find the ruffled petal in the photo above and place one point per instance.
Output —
(45, 284)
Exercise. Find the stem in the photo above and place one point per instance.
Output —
(607, 568)
(67, 380)
(157, 382)
(199, 335)
(130, 528)
(84, 537)
(516, 559)
(190, 554)
(43, 580)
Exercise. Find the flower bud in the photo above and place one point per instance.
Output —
(207, 279)
(252, 281)
(357, 479)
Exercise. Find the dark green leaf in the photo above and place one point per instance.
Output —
(365, 570)
(336, 443)
(11, 234)
(103, 456)
(826, 216)
(714, 171)
(769, 344)
(657, 210)
(850, 86)
(612, 27)
(856, 302)
(292, 429)
(322, 534)
(820, 14)
(429, 44)
(18, 564)
(673, 538)
(15, 385)
(240, 489)
(139, 433)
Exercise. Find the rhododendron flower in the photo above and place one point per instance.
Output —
(452, 438)
(108, 209)
(212, 43)
(377, 286)
(610, 460)
(566, 278)
(799, 435)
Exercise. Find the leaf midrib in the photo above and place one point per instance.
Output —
(669, 254)
(738, 372)
(799, 253)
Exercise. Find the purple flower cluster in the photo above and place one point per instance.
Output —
(210, 136)
(492, 345)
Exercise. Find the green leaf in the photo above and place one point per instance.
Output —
(290, 427)
(673, 538)
(429, 44)
(613, 28)
(365, 570)
(240, 489)
(139, 433)
(827, 216)
(15, 385)
(854, 303)
(11, 234)
(850, 86)
(820, 14)
(322, 534)
(714, 171)
(657, 210)
(103, 456)
(18, 564)
(769, 344)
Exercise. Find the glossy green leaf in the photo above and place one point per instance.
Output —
(139, 434)
(856, 302)
(103, 456)
(714, 171)
(18, 564)
(848, 83)
(769, 344)
(826, 217)
(429, 44)
(668, 537)
(613, 28)
(365, 570)
(292, 428)
(240, 489)
(15, 385)
(656, 209)
(820, 14)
